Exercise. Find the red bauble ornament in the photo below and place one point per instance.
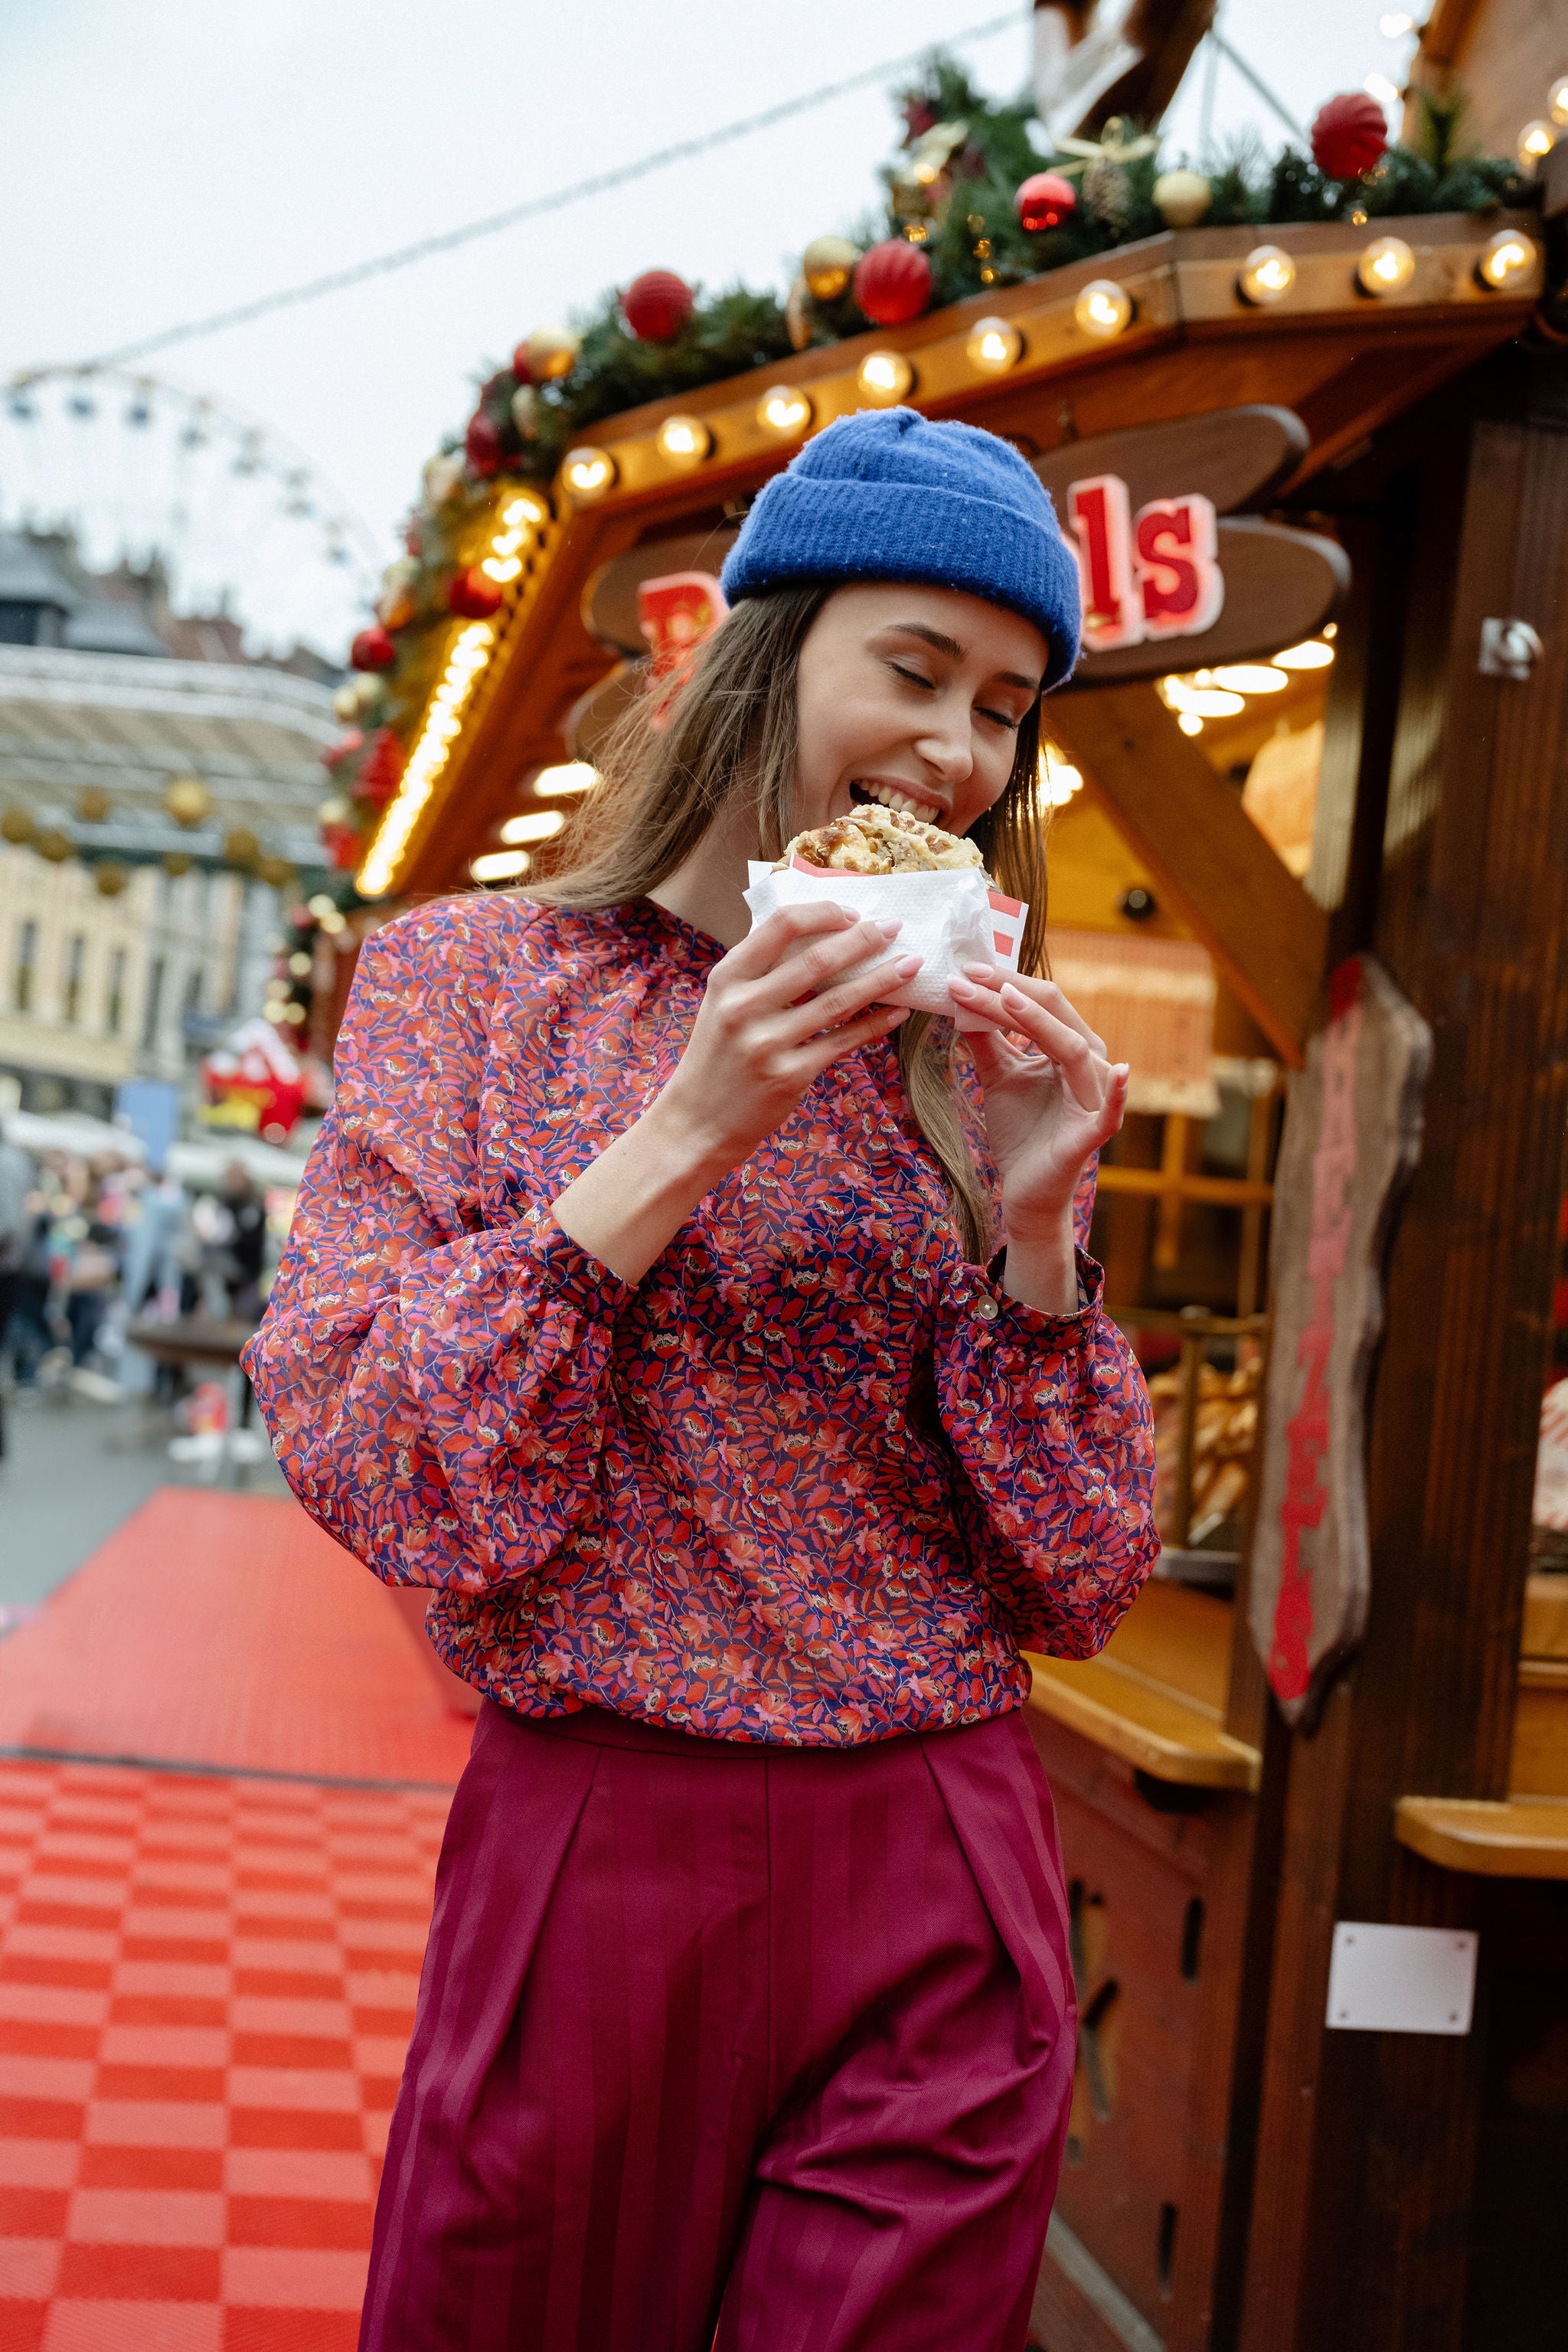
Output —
(892, 282)
(1349, 135)
(1044, 201)
(520, 367)
(382, 770)
(373, 650)
(473, 596)
(342, 844)
(482, 444)
(656, 306)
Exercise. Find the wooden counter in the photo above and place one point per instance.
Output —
(1155, 1695)
(1525, 1835)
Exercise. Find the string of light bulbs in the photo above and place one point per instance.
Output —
(337, 281)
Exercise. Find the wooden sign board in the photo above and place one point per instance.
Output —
(611, 611)
(1351, 1137)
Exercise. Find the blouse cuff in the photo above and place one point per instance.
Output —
(584, 1282)
(1009, 1317)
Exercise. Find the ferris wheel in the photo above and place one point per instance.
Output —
(141, 470)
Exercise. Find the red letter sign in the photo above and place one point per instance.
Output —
(1174, 543)
(1098, 512)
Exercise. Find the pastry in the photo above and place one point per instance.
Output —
(871, 839)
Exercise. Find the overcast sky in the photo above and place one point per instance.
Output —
(165, 158)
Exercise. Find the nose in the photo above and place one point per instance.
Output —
(945, 740)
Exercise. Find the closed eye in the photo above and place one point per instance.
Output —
(912, 675)
(1003, 719)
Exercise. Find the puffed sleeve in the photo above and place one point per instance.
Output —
(435, 1391)
(1049, 1420)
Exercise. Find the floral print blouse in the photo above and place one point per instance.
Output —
(815, 1479)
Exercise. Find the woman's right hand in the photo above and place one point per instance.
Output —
(807, 986)
(803, 988)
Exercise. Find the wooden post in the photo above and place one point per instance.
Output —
(1366, 2142)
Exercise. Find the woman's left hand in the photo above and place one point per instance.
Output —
(1052, 1098)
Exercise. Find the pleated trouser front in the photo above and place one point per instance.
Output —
(717, 2045)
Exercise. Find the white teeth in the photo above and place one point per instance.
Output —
(899, 802)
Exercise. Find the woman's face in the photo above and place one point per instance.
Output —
(913, 697)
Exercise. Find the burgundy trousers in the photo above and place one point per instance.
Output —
(722, 2045)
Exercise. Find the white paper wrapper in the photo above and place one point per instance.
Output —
(950, 918)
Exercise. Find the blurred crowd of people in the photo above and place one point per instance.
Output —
(89, 1245)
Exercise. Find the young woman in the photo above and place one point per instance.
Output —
(711, 1340)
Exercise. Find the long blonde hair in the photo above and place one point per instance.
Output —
(734, 729)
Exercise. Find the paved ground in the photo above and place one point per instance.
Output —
(72, 1471)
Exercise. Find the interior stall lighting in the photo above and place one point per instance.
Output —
(499, 865)
(569, 776)
(1536, 140)
(1247, 677)
(995, 345)
(1189, 722)
(683, 441)
(1557, 99)
(885, 377)
(533, 824)
(784, 411)
(1505, 259)
(1266, 276)
(466, 663)
(1200, 701)
(1312, 654)
(588, 474)
(1387, 266)
(1058, 778)
(1103, 309)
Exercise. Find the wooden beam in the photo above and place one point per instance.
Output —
(1220, 874)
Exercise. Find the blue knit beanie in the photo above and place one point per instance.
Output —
(886, 495)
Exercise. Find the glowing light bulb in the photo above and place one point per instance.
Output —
(1505, 259)
(1378, 86)
(528, 508)
(499, 865)
(1250, 678)
(683, 441)
(588, 474)
(885, 377)
(1536, 140)
(784, 411)
(994, 346)
(1310, 654)
(568, 776)
(533, 824)
(1387, 266)
(1103, 309)
(1199, 702)
(1266, 274)
(1395, 24)
(1189, 722)
(502, 568)
(1557, 99)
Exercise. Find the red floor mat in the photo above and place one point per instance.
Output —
(206, 1987)
(228, 1631)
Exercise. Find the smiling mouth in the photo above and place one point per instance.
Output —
(902, 804)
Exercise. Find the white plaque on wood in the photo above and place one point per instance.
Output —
(1400, 1979)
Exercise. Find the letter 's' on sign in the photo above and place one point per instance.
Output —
(1152, 574)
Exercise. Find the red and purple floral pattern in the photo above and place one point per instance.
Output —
(815, 1480)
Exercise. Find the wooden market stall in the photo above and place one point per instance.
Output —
(1242, 2172)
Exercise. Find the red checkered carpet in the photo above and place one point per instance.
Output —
(206, 1977)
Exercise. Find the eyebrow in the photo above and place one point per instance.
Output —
(955, 652)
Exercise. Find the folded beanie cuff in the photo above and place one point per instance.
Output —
(844, 529)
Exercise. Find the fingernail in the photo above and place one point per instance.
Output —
(907, 966)
(968, 985)
(890, 926)
(983, 970)
(1016, 994)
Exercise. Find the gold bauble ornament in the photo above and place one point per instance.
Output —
(109, 880)
(93, 804)
(828, 265)
(240, 845)
(441, 478)
(525, 411)
(551, 351)
(54, 844)
(1181, 198)
(16, 825)
(188, 801)
(345, 704)
(276, 871)
(334, 810)
(175, 863)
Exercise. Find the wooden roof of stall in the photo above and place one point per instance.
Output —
(1346, 365)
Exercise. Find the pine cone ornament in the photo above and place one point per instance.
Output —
(1108, 191)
